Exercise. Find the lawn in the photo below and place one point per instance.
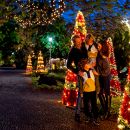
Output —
(55, 81)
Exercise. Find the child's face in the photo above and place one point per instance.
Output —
(90, 41)
(87, 66)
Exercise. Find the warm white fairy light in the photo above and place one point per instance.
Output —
(121, 127)
(41, 13)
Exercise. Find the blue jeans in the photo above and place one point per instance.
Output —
(79, 98)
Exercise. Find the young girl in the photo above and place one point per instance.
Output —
(90, 47)
(89, 92)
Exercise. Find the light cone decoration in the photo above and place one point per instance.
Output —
(29, 65)
(114, 83)
(124, 112)
(40, 64)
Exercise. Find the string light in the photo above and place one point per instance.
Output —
(38, 13)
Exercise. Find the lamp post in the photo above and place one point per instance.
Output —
(50, 40)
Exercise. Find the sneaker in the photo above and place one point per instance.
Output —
(87, 120)
(77, 117)
(102, 117)
(107, 116)
(95, 122)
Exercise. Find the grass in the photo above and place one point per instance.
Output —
(60, 77)
(57, 77)
(116, 102)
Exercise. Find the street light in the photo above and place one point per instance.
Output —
(50, 40)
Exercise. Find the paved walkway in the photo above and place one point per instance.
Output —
(21, 108)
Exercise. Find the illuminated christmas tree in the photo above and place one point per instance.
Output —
(40, 64)
(124, 112)
(115, 83)
(70, 93)
(29, 65)
(80, 26)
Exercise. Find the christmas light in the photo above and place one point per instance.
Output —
(40, 64)
(121, 127)
(114, 83)
(29, 65)
(38, 13)
(124, 111)
(80, 26)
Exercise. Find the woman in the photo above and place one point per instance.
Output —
(103, 68)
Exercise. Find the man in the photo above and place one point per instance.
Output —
(75, 56)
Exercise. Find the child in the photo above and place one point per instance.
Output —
(89, 92)
(90, 47)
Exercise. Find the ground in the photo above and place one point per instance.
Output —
(22, 108)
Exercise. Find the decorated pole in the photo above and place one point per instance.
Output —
(29, 65)
(124, 112)
(40, 63)
(114, 82)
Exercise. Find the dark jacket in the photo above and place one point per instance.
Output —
(84, 50)
(102, 66)
(75, 55)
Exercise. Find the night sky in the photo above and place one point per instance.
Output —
(70, 16)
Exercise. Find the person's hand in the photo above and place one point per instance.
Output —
(80, 73)
(93, 64)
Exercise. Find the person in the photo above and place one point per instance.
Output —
(90, 47)
(103, 68)
(89, 91)
(74, 57)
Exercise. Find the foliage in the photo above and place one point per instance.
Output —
(122, 46)
(103, 16)
(9, 39)
(6, 10)
(60, 43)
(57, 78)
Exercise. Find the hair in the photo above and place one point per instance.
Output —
(82, 64)
(90, 36)
(105, 49)
(74, 37)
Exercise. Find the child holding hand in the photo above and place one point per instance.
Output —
(89, 92)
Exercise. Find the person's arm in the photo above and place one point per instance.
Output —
(95, 72)
(70, 61)
(105, 67)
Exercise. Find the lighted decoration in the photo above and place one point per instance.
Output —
(124, 112)
(80, 26)
(39, 12)
(29, 65)
(70, 93)
(40, 64)
(115, 83)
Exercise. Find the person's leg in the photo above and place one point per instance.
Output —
(94, 108)
(86, 101)
(107, 96)
(94, 104)
(101, 96)
(78, 106)
(79, 99)
(108, 106)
